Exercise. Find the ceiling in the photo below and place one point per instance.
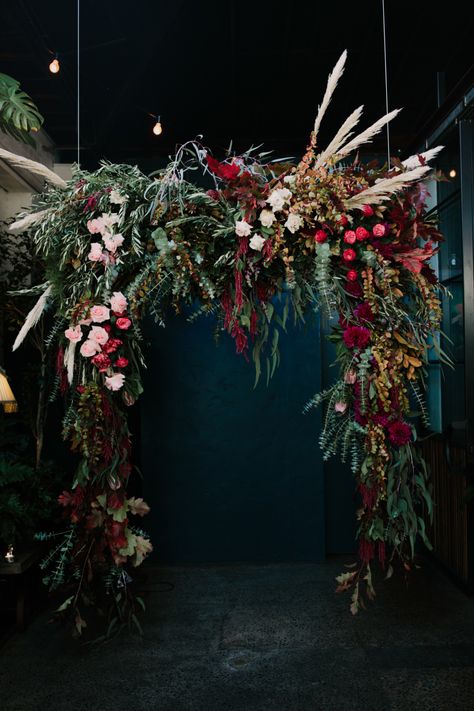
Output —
(253, 72)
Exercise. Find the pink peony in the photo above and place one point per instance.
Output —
(74, 333)
(349, 255)
(362, 233)
(118, 302)
(99, 313)
(349, 236)
(356, 336)
(115, 381)
(123, 323)
(340, 407)
(112, 242)
(367, 210)
(96, 254)
(350, 376)
(89, 348)
(99, 335)
(102, 361)
(378, 230)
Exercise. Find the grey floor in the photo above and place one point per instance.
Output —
(259, 638)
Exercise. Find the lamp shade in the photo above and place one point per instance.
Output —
(7, 398)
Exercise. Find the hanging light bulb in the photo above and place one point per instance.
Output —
(54, 66)
(7, 398)
(158, 128)
(452, 173)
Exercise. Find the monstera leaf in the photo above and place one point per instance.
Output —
(18, 113)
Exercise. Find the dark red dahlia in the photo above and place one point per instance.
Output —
(399, 433)
(356, 336)
(363, 312)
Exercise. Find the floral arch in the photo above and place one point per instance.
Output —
(327, 233)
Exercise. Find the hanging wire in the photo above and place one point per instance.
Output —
(386, 78)
(78, 117)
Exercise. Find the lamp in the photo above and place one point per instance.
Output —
(7, 398)
(54, 65)
(157, 128)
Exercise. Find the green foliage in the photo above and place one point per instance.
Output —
(18, 113)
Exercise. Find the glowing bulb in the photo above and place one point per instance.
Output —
(54, 66)
(157, 128)
(10, 555)
(452, 173)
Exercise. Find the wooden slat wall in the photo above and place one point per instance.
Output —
(450, 532)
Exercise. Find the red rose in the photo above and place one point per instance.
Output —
(343, 221)
(349, 255)
(361, 234)
(225, 171)
(321, 236)
(123, 323)
(111, 345)
(352, 275)
(356, 336)
(102, 361)
(349, 236)
(367, 210)
(378, 230)
(121, 362)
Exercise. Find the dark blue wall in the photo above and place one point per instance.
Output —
(231, 473)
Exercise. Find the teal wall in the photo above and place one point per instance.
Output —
(231, 473)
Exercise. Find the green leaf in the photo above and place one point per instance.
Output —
(18, 112)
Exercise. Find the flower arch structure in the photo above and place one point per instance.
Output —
(328, 233)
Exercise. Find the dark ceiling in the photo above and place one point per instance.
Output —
(253, 72)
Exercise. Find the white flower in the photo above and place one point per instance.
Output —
(294, 222)
(242, 228)
(289, 179)
(115, 381)
(116, 198)
(257, 243)
(118, 302)
(96, 254)
(278, 198)
(267, 218)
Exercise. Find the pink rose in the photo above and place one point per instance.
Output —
(99, 313)
(95, 226)
(340, 406)
(112, 242)
(115, 381)
(123, 323)
(367, 210)
(349, 236)
(85, 322)
(96, 254)
(350, 376)
(74, 333)
(99, 335)
(378, 230)
(118, 302)
(89, 348)
(362, 233)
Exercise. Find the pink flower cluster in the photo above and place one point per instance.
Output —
(99, 344)
(104, 225)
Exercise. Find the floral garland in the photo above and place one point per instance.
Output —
(351, 239)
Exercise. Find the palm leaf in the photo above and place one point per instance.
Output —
(18, 113)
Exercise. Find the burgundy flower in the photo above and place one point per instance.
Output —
(367, 210)
(352, 275)
(354, 289)
(321, 236)
(380, 419)
(386, 250)
(399, 433)
(121, 362)
(111, 345)
(226, 171)
(102, 361)
(214, 194)
(349, 255)
(343, 221)
(363, 312)
(356, 336)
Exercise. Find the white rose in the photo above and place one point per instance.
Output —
(257, 243)
(294, 222)
(267, 218)
(242, 228)
(278, 198)
(116, 198)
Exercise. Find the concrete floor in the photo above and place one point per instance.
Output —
(259, 638)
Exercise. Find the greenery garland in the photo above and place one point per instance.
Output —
(350, 238)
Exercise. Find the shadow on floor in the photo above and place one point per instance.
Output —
(259, 638)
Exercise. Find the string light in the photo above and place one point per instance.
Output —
(54, 65)
(452, 173)
(158, 128)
